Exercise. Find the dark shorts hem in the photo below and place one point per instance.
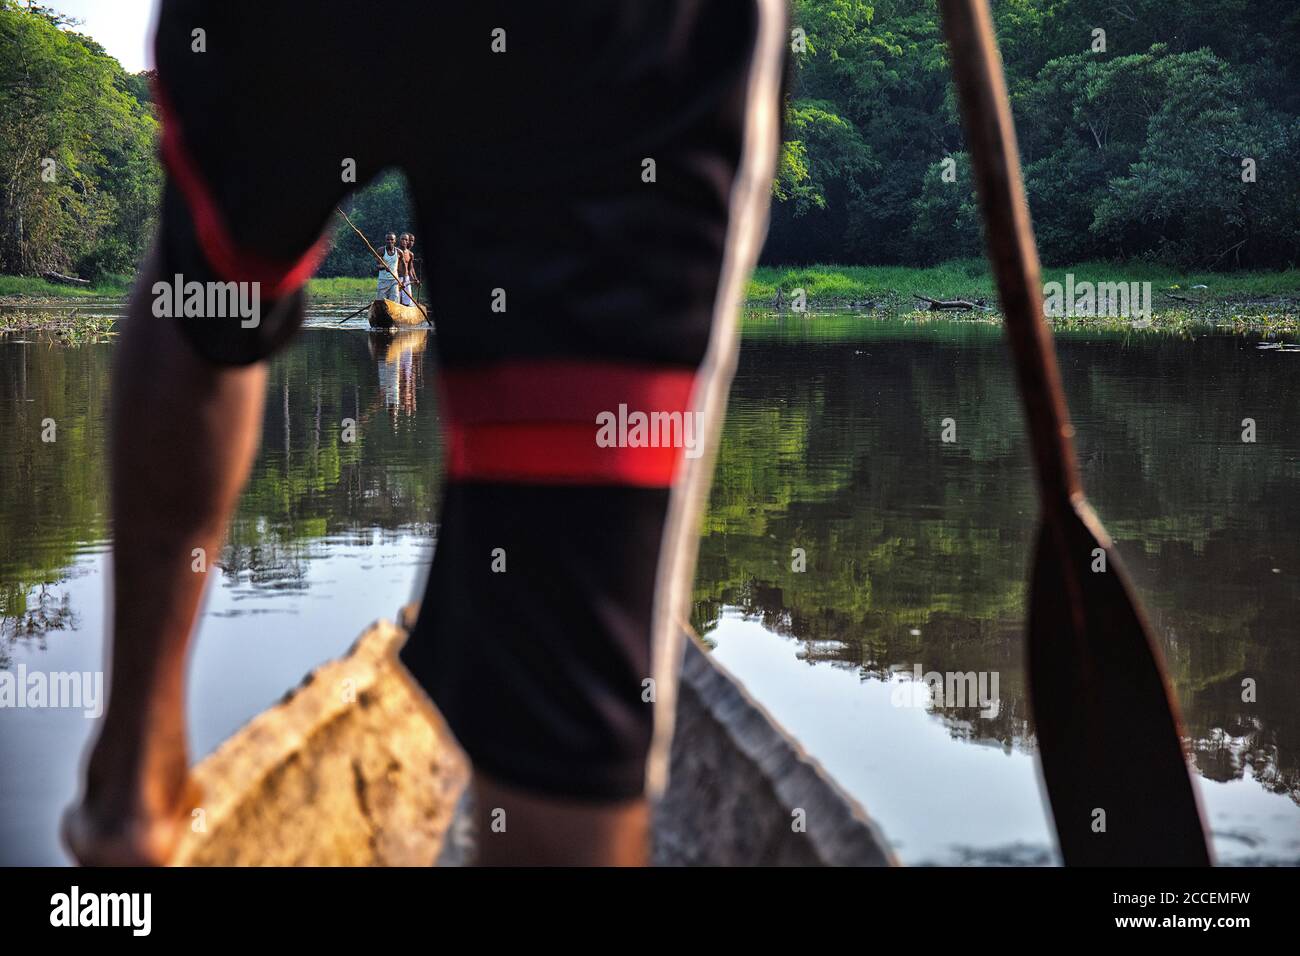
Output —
(580, 782)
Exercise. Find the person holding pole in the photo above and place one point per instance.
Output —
(388, 283)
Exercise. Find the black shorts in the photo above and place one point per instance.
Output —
(606, 176)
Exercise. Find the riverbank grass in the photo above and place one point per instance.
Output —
(34, 287)
(829, 285)
(1267, 302)
(65, 326)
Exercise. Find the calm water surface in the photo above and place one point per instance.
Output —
(915, 551)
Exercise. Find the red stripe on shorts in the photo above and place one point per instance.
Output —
(538, 422)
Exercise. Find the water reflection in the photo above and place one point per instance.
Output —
(401, 368)
(344, 453)
(915, 548)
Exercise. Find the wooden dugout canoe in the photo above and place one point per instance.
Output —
(356, 767)
(387, 314)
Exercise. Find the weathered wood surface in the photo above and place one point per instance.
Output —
(356, 768)
(352, 768)
(742, 792)
(387, 314)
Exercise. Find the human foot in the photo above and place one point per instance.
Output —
(105, 832)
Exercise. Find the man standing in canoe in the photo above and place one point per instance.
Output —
(406, 267)
(581, 269)
(386, 286)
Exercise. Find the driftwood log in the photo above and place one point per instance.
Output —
(946, 305)
(66, 280)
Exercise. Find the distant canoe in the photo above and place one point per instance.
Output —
(387, 314)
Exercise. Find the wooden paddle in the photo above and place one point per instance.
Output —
(381, 261)
(1108, 728)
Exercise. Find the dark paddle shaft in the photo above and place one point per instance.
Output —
(1107, 725)
(995, 158)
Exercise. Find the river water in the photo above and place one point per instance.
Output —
(847, 545)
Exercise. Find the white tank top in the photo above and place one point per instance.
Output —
(390, 261)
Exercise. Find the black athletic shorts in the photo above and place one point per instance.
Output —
(603, 169)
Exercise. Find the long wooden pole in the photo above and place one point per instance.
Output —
(354, 314)
(380, 260)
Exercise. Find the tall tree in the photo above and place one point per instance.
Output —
(78, 177)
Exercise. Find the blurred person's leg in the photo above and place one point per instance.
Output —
(183, 435)
(557, 672)
(593, 225)
(544, 831)
(242, 213)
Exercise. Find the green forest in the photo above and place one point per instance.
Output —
(1164, 131)
(1134, 140)
(79, 175)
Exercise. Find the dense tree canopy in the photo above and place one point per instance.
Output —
(383, 206)
(1136, 142)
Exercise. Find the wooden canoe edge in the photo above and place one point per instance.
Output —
(737, 779)
(389, 315)
(350, 768)
(357, 767)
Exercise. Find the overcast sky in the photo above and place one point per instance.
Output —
(122, 27)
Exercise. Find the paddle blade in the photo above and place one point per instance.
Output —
(1107, 725)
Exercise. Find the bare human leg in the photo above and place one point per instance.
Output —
(515, 828)
(183, 436)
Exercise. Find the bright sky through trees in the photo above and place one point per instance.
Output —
(122, 27)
